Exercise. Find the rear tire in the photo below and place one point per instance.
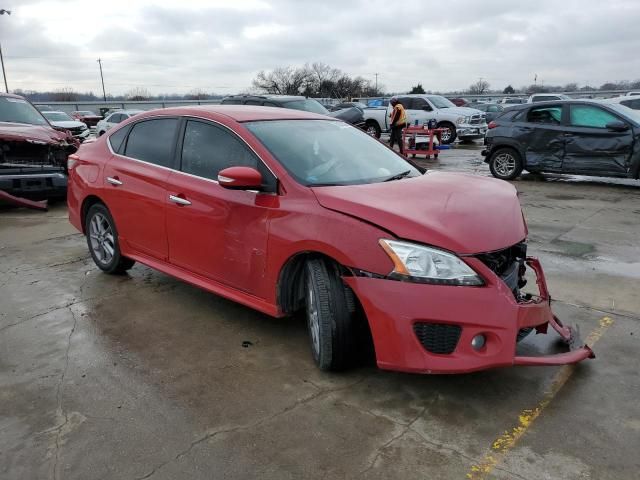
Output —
(330, 312)
(102, 239)
(505, 164)
(447, 137)
(372, 128)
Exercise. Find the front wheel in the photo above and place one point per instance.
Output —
(505, 164)
(330, 312)
(448, 134)
(102, 238)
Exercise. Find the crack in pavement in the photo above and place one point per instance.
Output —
(599, 310)
(59, 410)
(393, 439)
(211, 434)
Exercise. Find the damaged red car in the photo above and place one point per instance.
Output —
(288, 211)
(33, 154)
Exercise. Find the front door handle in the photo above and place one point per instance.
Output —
(114, 181)
(179, 200)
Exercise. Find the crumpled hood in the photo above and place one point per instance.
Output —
(39, 133)
(462, 213)
(67, 124)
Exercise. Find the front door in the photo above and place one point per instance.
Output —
(541, 132)
(213, 231)
(593, 149)
(135, 185)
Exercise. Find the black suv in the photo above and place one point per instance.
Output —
(353, 115)
(582, 137)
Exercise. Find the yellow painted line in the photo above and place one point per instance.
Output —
(505, 442)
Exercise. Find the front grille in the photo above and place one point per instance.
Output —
(438, 337)
(508, 264)
(478, 119)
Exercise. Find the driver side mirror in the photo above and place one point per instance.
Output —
(240, 178)
(617, 126)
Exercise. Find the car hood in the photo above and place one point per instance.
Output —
(67, 123)
(23, 132)
(464, 111)
(458, 212)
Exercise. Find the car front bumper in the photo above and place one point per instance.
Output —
(393, 308)
(466, 131)
(41, 184)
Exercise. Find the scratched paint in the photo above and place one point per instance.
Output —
(508, 439)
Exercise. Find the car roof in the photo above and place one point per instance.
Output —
(283, 98)
(241, 113)
(54, 111)
(11, 95)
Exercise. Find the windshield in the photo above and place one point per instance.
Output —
(308, 105)
(58, 117)
(321, 152)
(17, 110)
(440, 102)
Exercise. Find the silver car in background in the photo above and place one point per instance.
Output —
(113, 119)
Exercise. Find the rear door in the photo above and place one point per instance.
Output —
(213, 231)
(135, 184)
(540, 131)
(590, 147)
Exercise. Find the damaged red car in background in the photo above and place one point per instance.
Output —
(33, 154)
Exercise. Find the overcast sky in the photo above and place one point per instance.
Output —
(219, 46)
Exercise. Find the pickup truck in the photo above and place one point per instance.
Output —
(458, 122)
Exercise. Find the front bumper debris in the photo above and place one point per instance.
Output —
(395, 308)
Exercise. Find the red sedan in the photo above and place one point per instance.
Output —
(286, 211)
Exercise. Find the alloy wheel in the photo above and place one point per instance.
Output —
(504, 164)
(101, 238)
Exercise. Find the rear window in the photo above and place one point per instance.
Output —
(307, 105)
(153, 141)
(549, 115)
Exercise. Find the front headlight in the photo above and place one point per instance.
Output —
(429, 265)
(460, 120)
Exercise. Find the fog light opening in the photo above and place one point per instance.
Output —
(478, 342)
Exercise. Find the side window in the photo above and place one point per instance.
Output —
(115, 118)
(405, 102)
(590, 116)
(269, 104)
(116, 140)
(547, 115)
(231, 101)
(153, 141)
(208, 148)
(418, 104)
(253, 102)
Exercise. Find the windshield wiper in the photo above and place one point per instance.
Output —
(398, 176)
(325, 184)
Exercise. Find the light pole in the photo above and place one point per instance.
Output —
(4, 74)
(104, 94)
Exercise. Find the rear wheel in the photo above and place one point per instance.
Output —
(448, 135)
(505, 164)
(102, 238)
(330, 313)
(372, 128)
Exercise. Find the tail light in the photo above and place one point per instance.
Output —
(492, 124)
(72, 160)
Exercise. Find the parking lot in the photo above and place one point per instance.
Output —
(144, 376)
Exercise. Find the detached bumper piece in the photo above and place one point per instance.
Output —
(23, 202)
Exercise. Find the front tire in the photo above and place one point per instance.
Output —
(449, 135)
(505, 164)
(102, 239)
(330, 313)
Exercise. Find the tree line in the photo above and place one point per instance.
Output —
(135, 94)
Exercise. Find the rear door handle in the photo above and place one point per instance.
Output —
(114, 181)
(179, 200)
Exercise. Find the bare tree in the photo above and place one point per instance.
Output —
(283, 80)
(480, 87)
(137, 94)
(66, 94)
(197, 94)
